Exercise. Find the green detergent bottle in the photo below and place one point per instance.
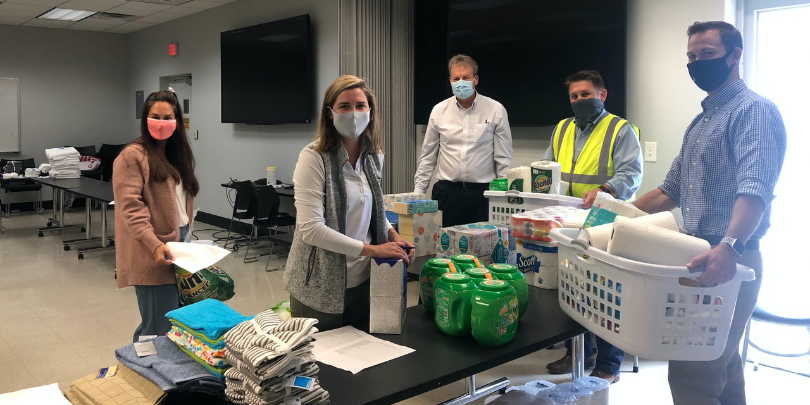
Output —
(494, 313)
(464, 262)
(430, 272)
(511, 275)
(478, 275)
(453, 301)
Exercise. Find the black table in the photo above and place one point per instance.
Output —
(59, 186)
(440, 359)
(281, 191)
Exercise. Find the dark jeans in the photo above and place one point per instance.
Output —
(608, 357)
(461, 203)
(355, 310)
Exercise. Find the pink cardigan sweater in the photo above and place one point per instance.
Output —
(145, 217)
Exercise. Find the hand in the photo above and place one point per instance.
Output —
(390, 250)
(163, 255)
(393, 236)
(720, 262)
(589, 197)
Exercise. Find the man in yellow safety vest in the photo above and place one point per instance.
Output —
(598, 151)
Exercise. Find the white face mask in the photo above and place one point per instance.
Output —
(351, 124)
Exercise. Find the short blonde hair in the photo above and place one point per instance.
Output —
(462, 59)
(327, 136)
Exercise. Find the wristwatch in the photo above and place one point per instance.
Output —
(738, 246)
(605, 189)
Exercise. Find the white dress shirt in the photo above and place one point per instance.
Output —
(472, 145)
(308, 180)
(180, 200)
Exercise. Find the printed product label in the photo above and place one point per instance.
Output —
(507, 317)
(541, 180)
(463, 244)
(442, 305)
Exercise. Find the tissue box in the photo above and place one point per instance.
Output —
(490, 243)
(421, 230)
(390, 199)
(393, 219)
(388, 294)
(538, 262)
(415, 207)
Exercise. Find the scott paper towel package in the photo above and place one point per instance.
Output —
(390, 199)
(538, 262)
(599, 236)
(388, 293)
(520, 178)
(421, 230)
(605, 209)
(546, 177)
(646, 243)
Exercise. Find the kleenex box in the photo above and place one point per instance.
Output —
(415, 207)
(390, 199)
(388, 292)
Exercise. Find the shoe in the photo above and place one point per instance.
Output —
(563, 365)
(605, 376)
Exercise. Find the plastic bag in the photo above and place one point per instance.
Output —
(282, 309)
(210, 282)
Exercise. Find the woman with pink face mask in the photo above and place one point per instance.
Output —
(154, 188)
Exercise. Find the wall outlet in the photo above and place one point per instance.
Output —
(196, 133)
(650, 151)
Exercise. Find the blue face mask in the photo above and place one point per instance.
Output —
(463, 89)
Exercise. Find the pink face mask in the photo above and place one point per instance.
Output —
(161, 129)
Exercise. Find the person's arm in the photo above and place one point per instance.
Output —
(430, 153)
(549, 153)
(127, 183)
(655, 201)
(502, 143)
(759, 137)
(626, 163)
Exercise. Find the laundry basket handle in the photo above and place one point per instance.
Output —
(580, 244)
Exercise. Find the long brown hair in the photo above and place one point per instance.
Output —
(328, 137)
(177, 161)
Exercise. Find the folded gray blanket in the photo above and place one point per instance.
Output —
(237, 393)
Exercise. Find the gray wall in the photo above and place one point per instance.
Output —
(230, 150)
(73, 87)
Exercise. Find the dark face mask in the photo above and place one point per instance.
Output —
(709, 74)
(586, 110)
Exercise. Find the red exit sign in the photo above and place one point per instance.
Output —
(172, 49)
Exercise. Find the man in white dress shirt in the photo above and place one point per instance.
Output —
(469, 142)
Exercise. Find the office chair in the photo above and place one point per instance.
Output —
(22, 186)
(268, 216)
(243, 208)
(761, 315)
(107, 153)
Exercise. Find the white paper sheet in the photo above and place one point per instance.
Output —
(46, 394)
(353, 350)
(194, 257)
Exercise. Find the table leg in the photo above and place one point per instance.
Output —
(87, 217)
(578, 357)
(104, 241)
(474, 393)
(61, 207)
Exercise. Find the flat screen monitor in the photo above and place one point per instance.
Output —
(267, 73)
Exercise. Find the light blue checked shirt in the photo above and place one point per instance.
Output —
(736, 146)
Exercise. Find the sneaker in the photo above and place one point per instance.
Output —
(563, 365)
(605, 376)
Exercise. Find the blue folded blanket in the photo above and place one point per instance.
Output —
(170, 369)
(210, 317)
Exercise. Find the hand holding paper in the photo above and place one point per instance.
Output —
(194, 257)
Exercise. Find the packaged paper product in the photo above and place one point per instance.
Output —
(390, 199)
(490, 243)
(538, 223)
(538, 262)
(605, 209)
(546, 177)
(555, 396)
(415, 207)
(599, 236)
(650, 244)
(501, 184)
(583, 394)
(599, 386)
(520, 178)
(422, 231)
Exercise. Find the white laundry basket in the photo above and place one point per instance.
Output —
(642, 308)
(502, 204)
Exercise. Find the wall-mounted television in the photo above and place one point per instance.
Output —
(524, 48)
(267, 73)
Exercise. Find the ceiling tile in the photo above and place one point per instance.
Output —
(150, 7)
(22, 10)
(102, 24)
(92, 5)
(12, 19)
(46, 3)
(131, 11)
(158, 18)
(128, 27)
(199, 5)
(39, 22)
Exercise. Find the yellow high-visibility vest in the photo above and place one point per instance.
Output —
(594, 165)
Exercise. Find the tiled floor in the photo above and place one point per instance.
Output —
(61, 318)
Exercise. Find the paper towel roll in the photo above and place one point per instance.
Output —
(599, 236)
(546, 177)
(646, 243)
(519, 178)
(583, 394)
(555, 396)
(600, 388)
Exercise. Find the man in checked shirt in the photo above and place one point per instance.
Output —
(723, 180)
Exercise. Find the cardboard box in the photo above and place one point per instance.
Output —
(415, 207)
(388, 294)
(421, 230)
(390, 199)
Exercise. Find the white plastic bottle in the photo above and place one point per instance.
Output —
(271, 176)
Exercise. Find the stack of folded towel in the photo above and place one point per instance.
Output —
(170, 369)
(198, 330)
(266, 354)
(64, 162)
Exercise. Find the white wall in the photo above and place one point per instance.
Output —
(225, 151)
(73, 87)
(661, 98)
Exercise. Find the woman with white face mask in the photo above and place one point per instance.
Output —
(341, 221)
(154, 188)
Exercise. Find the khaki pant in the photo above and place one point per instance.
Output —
(721, 381)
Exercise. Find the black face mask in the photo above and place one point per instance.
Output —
(709, 74)
(586, 110)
